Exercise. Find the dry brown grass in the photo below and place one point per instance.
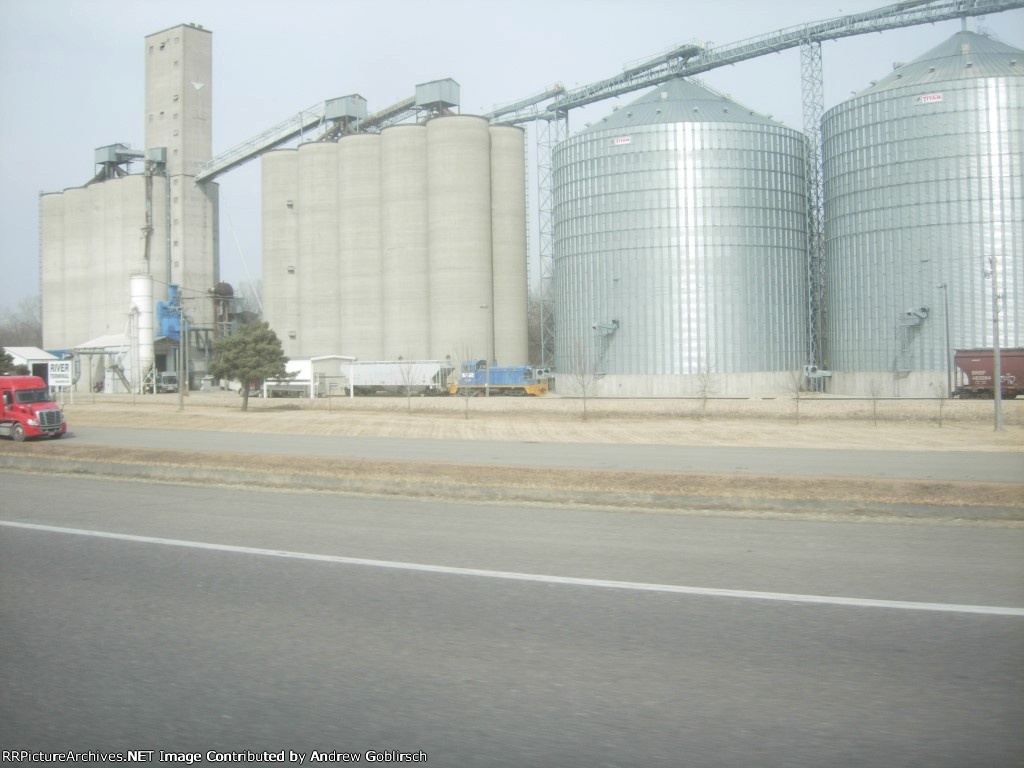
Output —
(824, 423)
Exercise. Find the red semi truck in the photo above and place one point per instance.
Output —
(26, 409)
(976, 370)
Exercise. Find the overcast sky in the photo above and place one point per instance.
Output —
(71, 76)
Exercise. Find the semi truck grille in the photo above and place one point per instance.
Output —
(49, 418)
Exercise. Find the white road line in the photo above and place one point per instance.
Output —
(855, 602)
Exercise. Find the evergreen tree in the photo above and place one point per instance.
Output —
(253, 353)
(6, 363)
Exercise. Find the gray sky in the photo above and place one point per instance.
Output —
(71, 76)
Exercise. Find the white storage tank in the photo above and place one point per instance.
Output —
(142, 309)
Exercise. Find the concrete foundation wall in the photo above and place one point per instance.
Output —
(682, 385)
(888, 384)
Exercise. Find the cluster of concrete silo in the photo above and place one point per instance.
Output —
(680, 245)
(93, 239)
(158, 223)
(410, 243)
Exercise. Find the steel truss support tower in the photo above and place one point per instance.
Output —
(814, 109)
(550, 132)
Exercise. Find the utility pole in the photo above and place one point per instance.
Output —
(997, 374)
(949, 352)
(490, 349)
(181, 352)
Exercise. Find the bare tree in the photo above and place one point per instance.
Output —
(407, 375)
(707, 385)
(463, 354)
(22, 326)
(941, 397)
(875, 391)
(796, 381)
(584, 372)
(249, 299)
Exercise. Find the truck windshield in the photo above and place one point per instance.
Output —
(32, 396)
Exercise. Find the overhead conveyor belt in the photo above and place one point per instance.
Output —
(693, 59)
(291, 128)
(686, 60)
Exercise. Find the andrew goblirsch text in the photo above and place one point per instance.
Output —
(212, 756)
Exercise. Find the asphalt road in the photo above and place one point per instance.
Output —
(240, 620)
(811, 461)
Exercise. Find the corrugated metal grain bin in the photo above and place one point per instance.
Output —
(679, 244)
(924, 182)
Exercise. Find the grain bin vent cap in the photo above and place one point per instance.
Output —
(680, 101)
(964, 56)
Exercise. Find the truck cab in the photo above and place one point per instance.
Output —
(27, 409)
(167, 381)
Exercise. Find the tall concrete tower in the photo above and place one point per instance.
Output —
(179, 109)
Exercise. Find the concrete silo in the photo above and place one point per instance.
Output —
(359, 246)
(52, 210)
(459, 237)
(67, 280)
(319, 271)
(923, 185)
(90, 248)
(279, 179)
(679, 248)
(404, 249)
(508, 244)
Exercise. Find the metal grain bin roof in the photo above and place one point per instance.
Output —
(966, 55)
(680, 101)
